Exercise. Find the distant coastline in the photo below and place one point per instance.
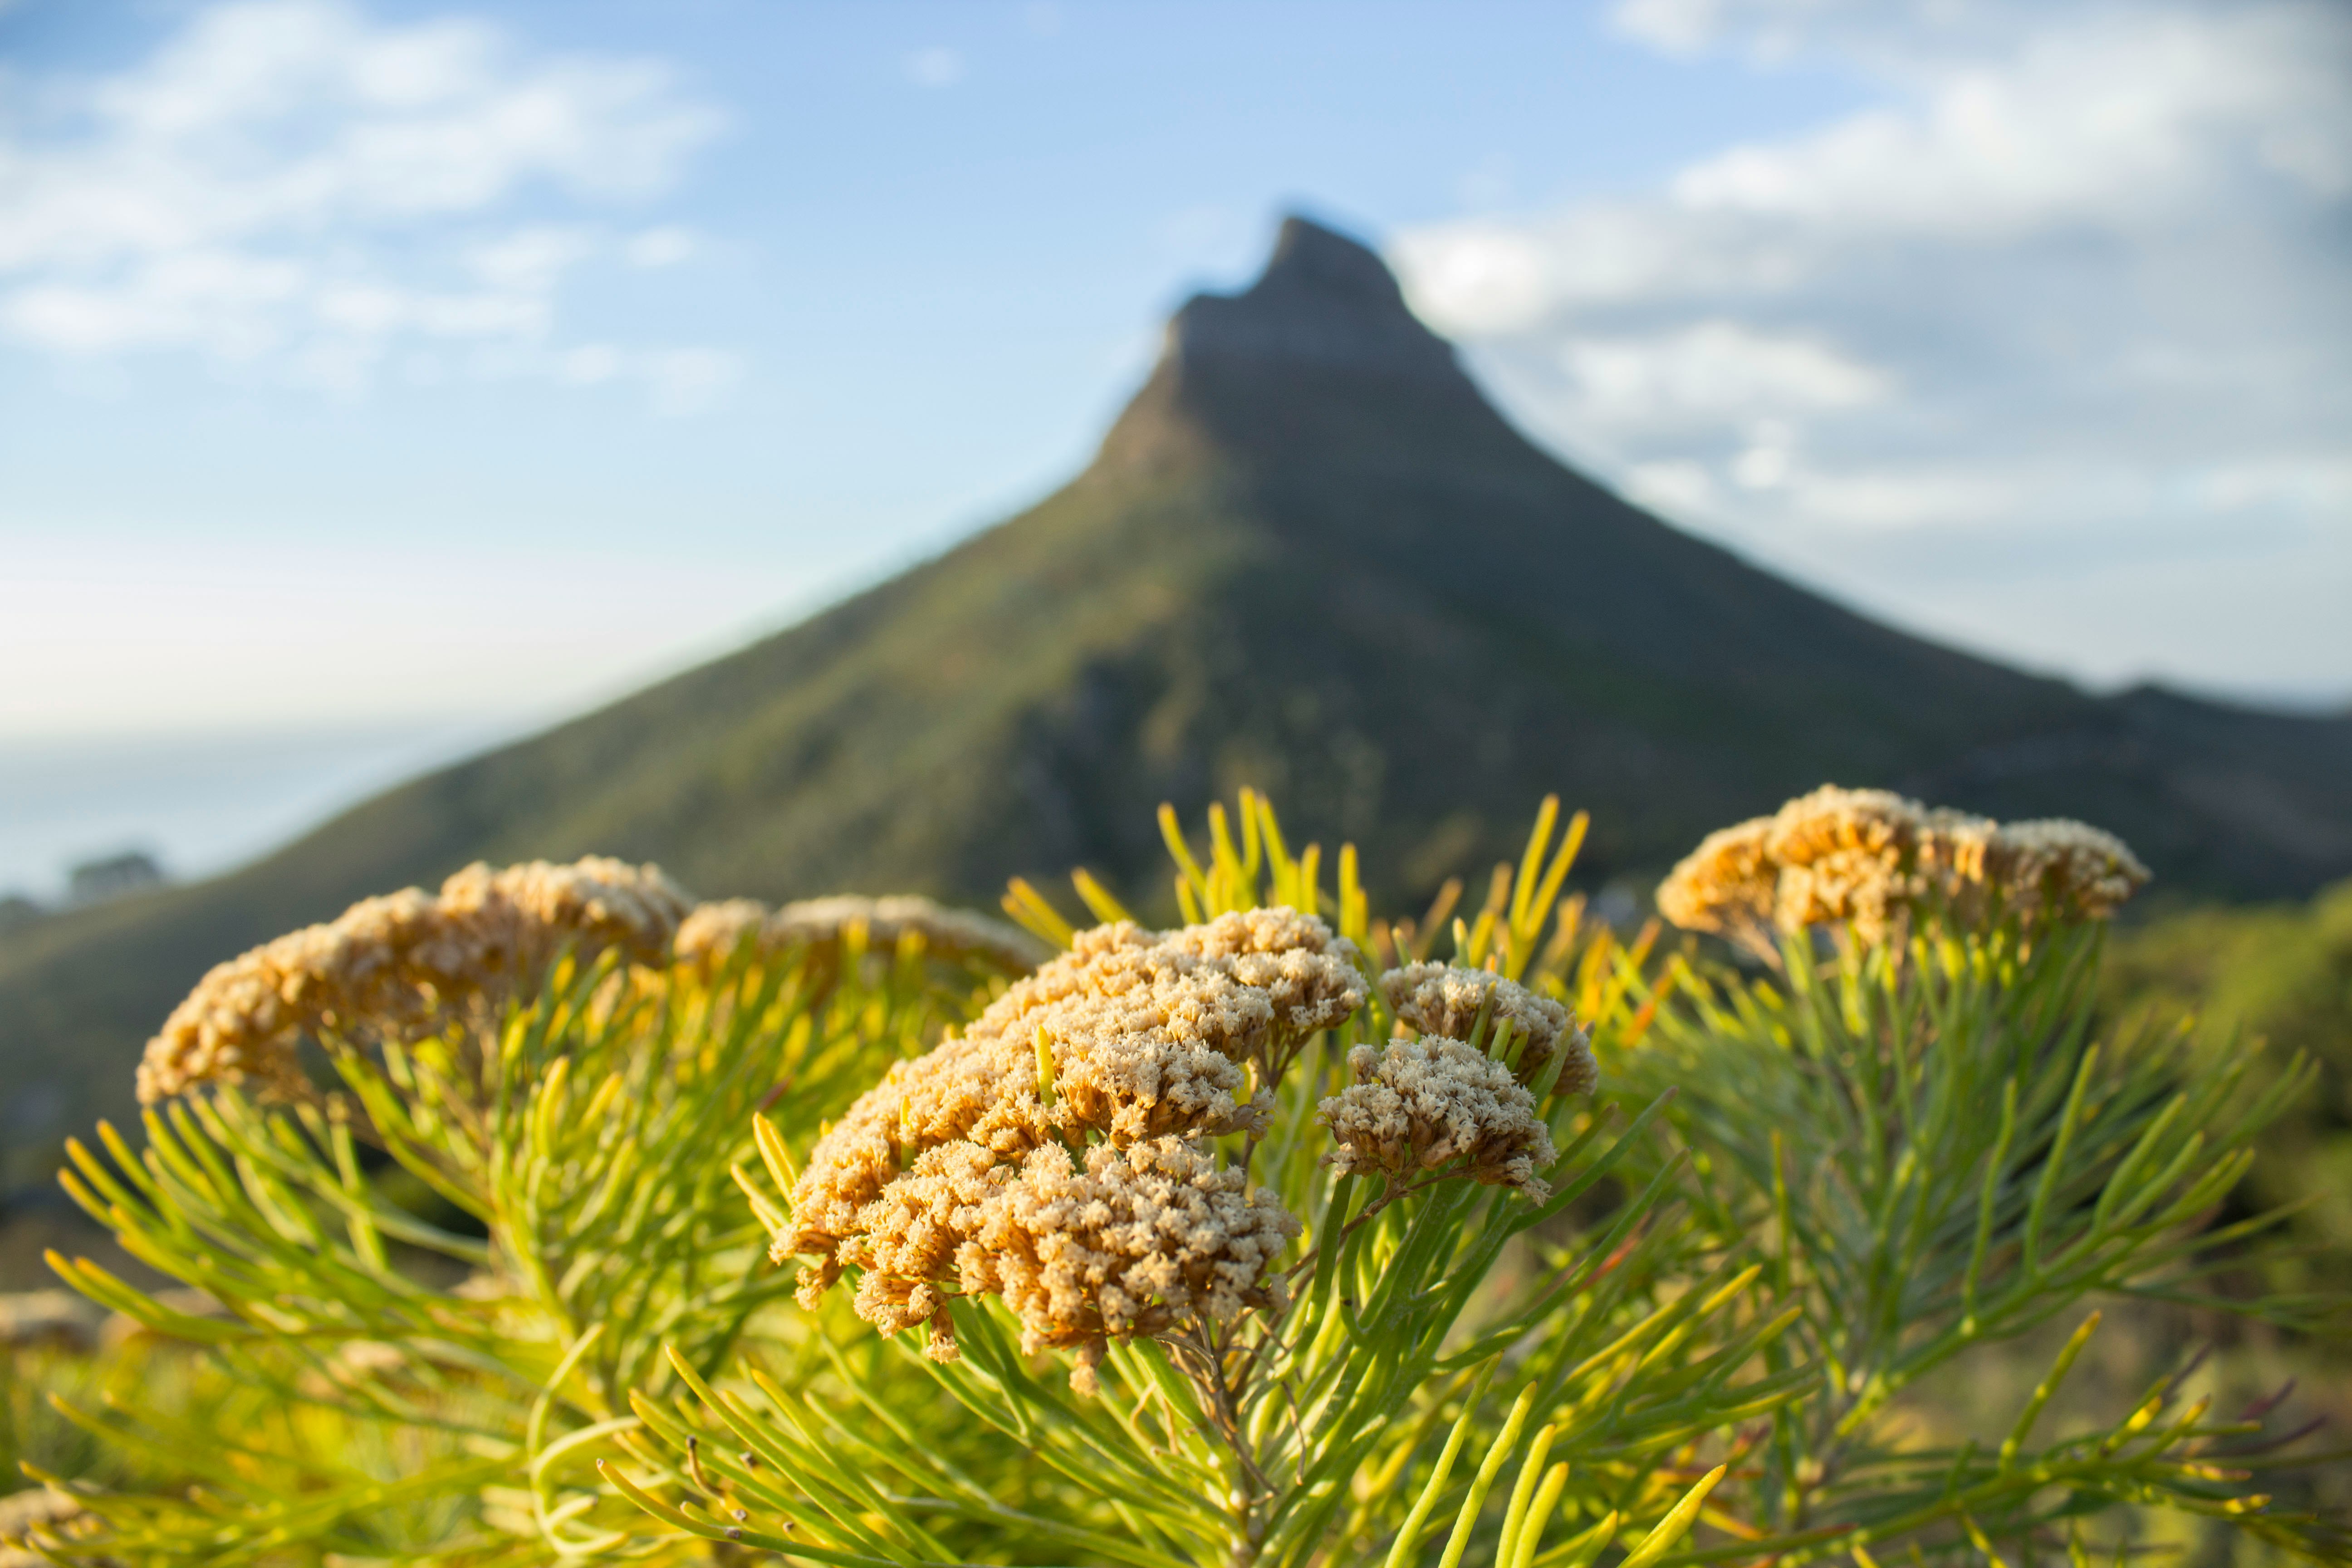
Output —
(200, 801)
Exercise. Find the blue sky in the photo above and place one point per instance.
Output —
(427, 369)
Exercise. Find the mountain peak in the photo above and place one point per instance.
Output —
(1312, 261)
(1321, 351)
(1325, 302)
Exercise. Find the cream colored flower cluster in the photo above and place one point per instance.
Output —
(1135, 1042)
(1439, 1105)
(406, 963)
(1445, 1000)
(1309, 976)
(1422, 1106)
(1136, 1241)
(1868, 858)
(2065, 869)
(715, 931)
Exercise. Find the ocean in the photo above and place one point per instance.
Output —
(199, 802)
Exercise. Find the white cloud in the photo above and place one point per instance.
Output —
(1712, 371)
(294, 191)
(2133, 120)
(662, 247)
(1673, 486)
(2064, 304)
(591, 365)
(1679, 26)
(935, 68)
(688, 381)
(530, 260)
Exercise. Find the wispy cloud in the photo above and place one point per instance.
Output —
(296, 191)
(2059, 323)
(665, 247)
(936, 67)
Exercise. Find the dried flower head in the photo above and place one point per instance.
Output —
(1148, 1035)
(715, 931)
(1851, 856)
(1726, 884)
(1424, 1106)
(907, 1238)
(406, 964)
(1138, 1242)
(1145, 1041)
(1202, 999)
(1871, 859)
(2064, 870)
(1137, 1038)
(1310, 974)
(537, 908)
(1445, 1000)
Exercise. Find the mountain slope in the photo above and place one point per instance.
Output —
(1309, 556)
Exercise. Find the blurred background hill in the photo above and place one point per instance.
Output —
(1311, 557)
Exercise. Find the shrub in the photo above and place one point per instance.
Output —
(1269, 1239)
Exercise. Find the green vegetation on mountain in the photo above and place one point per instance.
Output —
(1309, 557)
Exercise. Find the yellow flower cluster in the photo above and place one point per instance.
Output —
(955, 1169)
(1869, 858)
(715, 931)
(1445, 1000)
(404, 964)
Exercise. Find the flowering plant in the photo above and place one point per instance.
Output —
(1274, 1238)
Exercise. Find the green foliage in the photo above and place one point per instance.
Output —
(1303, 1436)
(2281, 976)
(419, 1390)
(1797, 1197)
(1928, 1154)
(37, 1438)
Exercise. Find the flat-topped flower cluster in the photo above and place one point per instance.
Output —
(716, 931)
(1055, 1154)
(1448, 1000)
(1436, 1102)
(1873, 860)
(412, 963)
(406, 963)
(960, 1168)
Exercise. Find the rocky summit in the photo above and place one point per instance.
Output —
(1309, 556)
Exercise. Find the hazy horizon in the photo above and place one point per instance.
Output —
(479, 362)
